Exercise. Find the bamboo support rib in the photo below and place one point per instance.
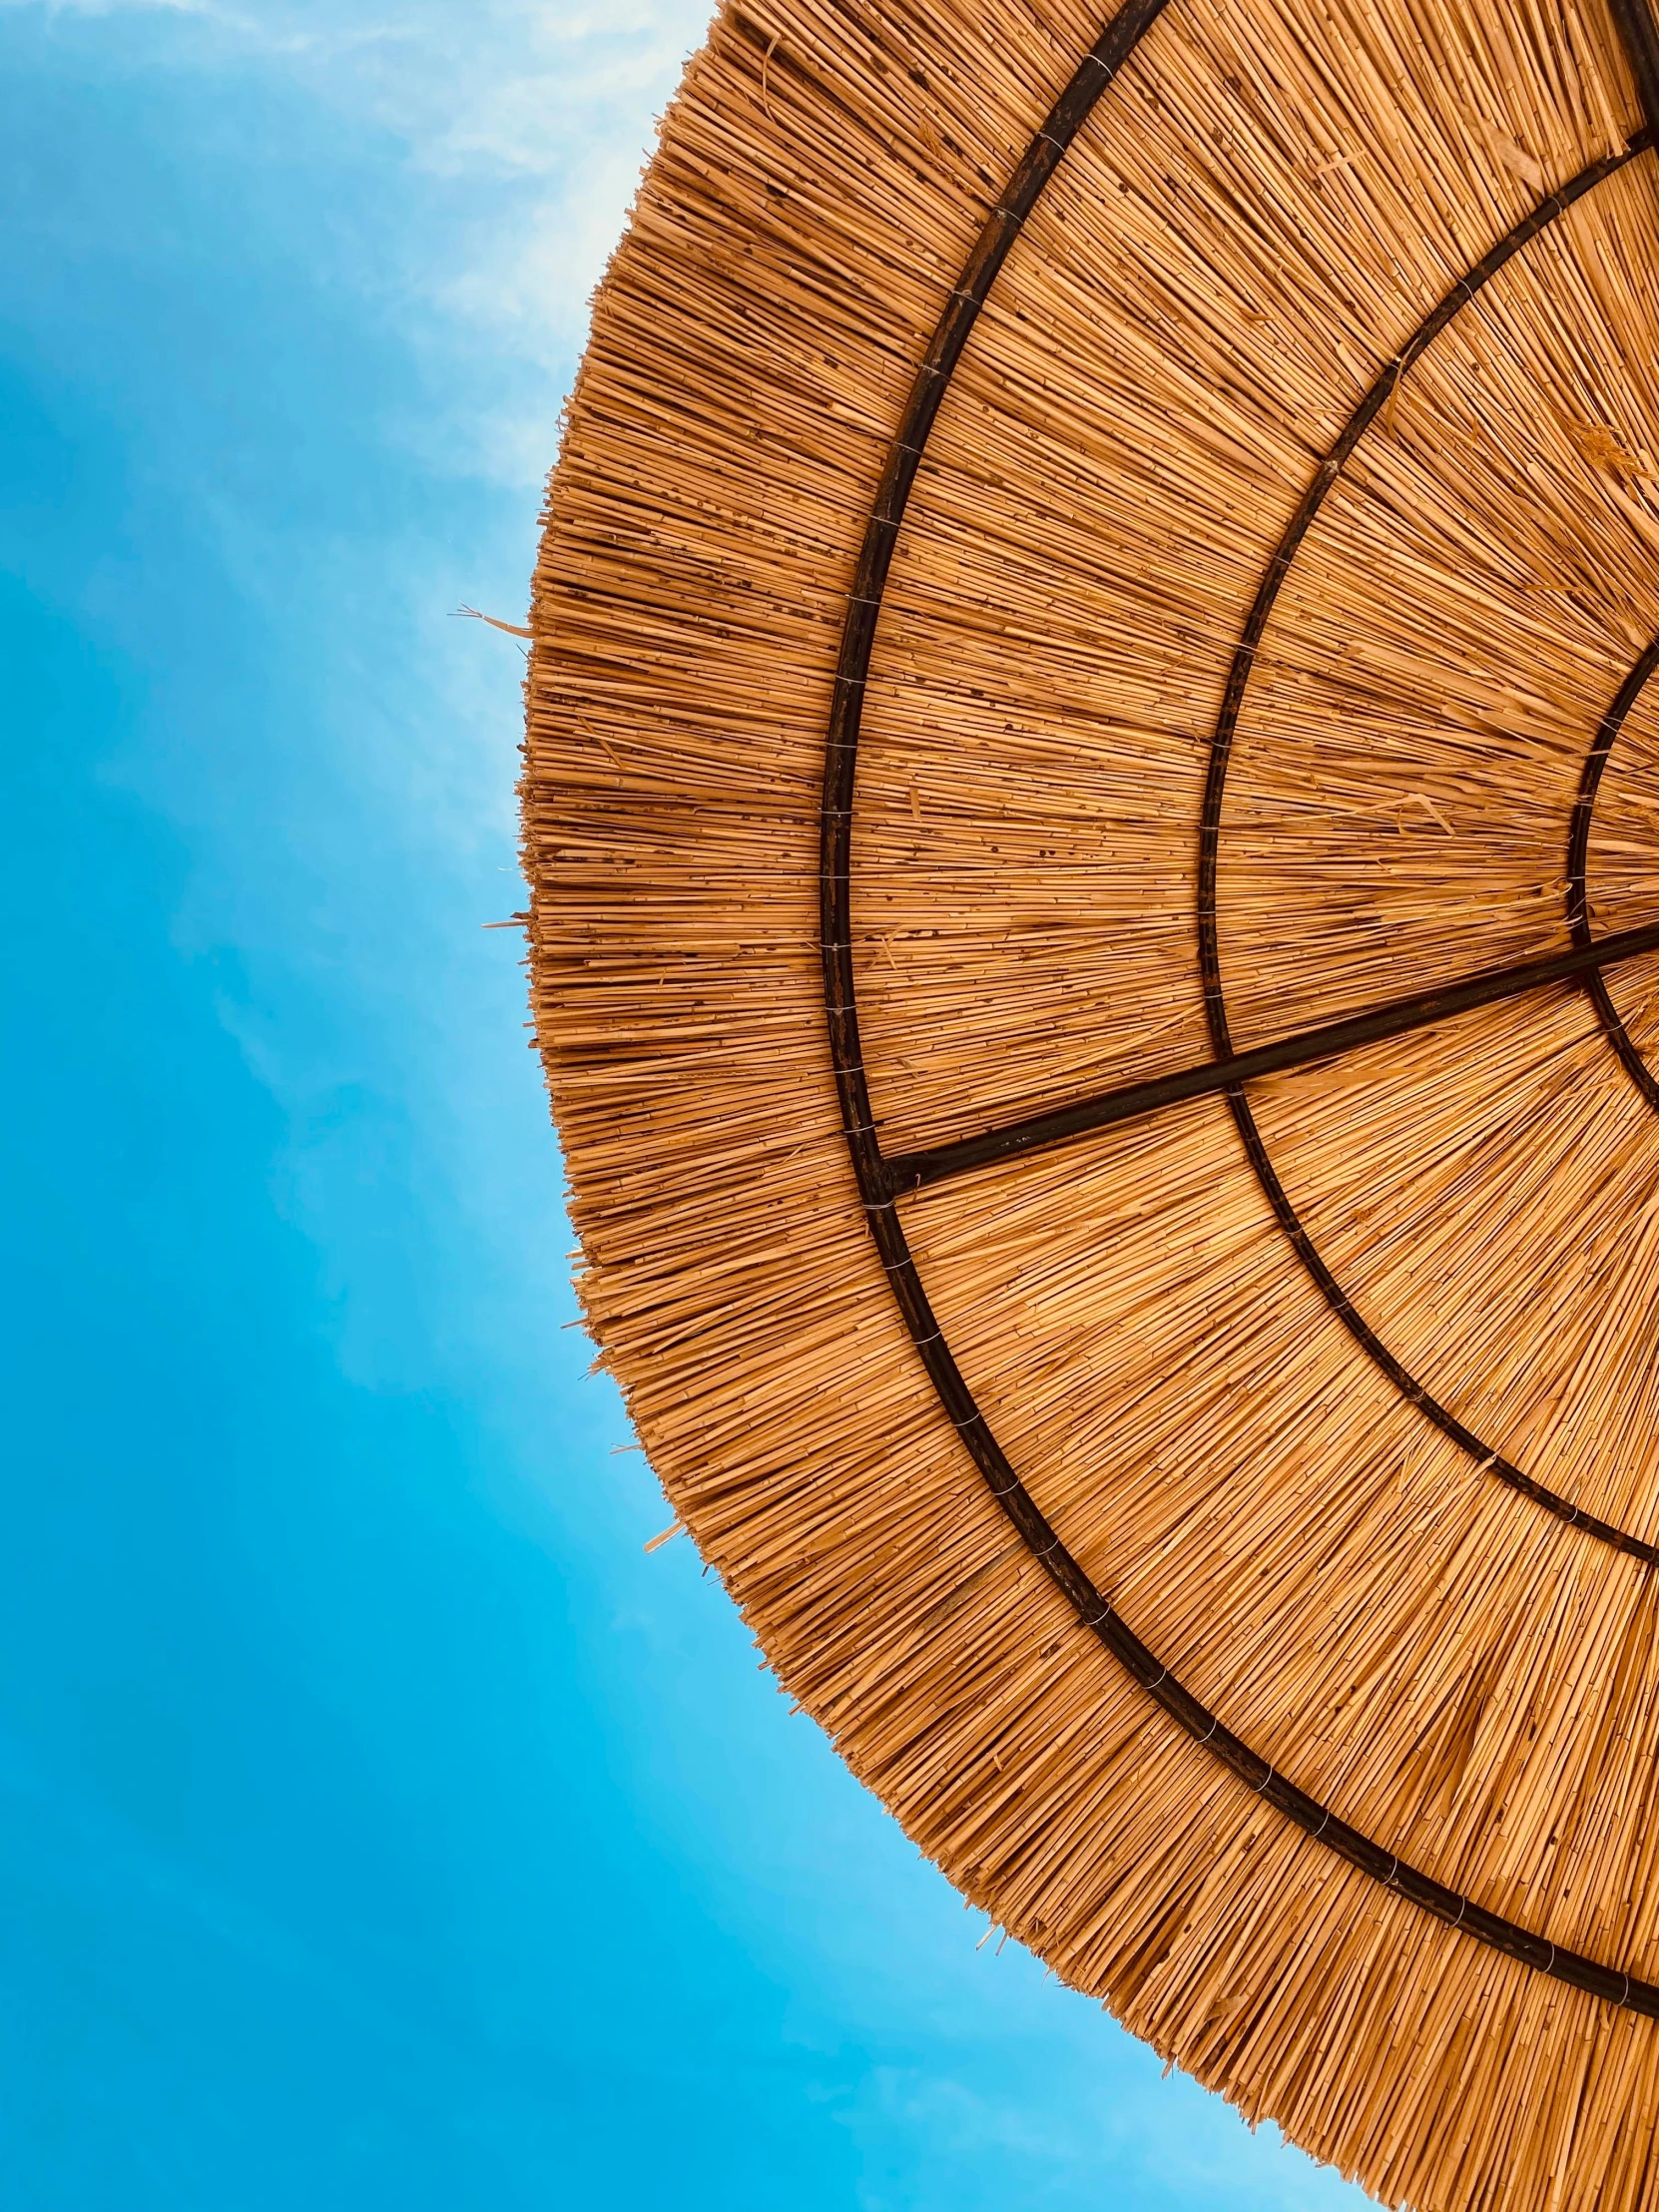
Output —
(1578, 853)
(905, 1171)
(1641, 46)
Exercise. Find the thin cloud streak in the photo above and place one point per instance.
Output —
(534, 122)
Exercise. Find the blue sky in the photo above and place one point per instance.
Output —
(381, 1826)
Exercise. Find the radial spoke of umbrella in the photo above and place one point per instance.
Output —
(1640, 40)
(908, 1171)
(1578, 861)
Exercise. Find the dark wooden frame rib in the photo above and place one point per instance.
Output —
(913, 1171)
(1091, 77)
(1633, 20)
(1579, 857)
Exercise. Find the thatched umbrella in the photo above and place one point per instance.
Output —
(1093, 805)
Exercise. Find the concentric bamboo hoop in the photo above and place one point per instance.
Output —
(1086, 554)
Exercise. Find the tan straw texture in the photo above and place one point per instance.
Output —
(1092, 804)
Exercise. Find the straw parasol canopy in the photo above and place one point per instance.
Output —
(1092, 801)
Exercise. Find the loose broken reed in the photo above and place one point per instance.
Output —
(1251, 226)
